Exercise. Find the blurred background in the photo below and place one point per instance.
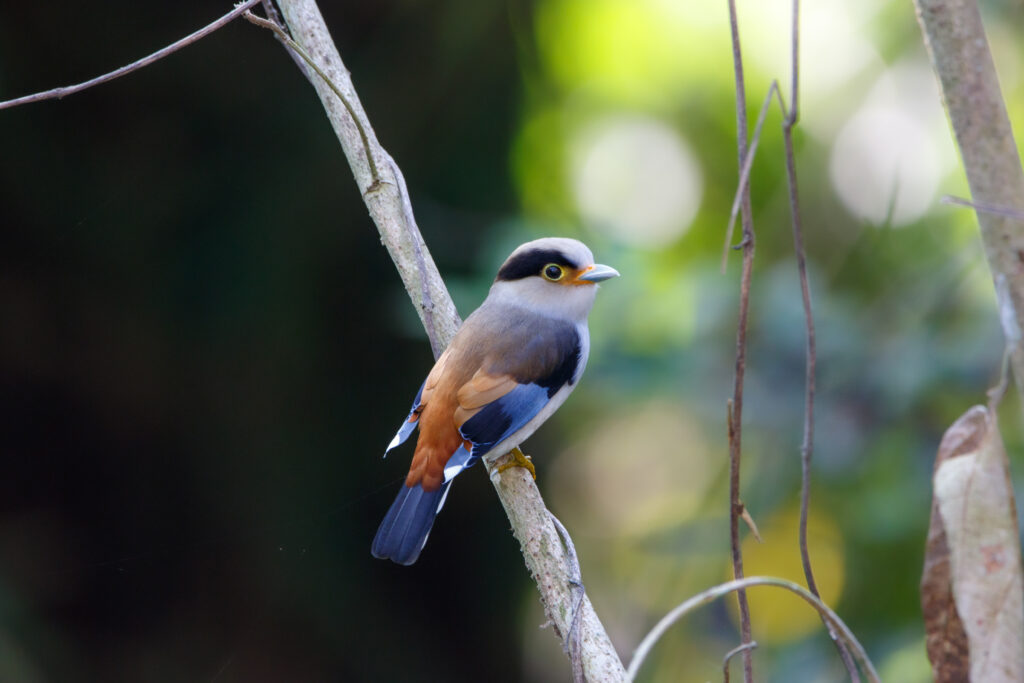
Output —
(204, 348)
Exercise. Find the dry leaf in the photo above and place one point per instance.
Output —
(971, 590)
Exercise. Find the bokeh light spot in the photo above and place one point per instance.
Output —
(891, 155)
(780, 615)
(835, 32)
(884, 167)
(908, 663)
(654, 459)
(637, 52)
(635, 179)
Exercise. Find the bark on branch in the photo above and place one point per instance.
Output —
(387, 201)
(960, 55)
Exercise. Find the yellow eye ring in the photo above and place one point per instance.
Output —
(552, 272)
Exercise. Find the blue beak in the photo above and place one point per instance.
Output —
(598, 273)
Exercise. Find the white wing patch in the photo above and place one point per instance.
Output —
(444, 497)
(401, 436)
(459, 461)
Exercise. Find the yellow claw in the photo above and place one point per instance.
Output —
(516, 458)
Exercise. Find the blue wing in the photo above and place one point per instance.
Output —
(410, 422)
(495, 422)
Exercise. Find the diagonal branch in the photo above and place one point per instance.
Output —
(389, 206)
(959, 51)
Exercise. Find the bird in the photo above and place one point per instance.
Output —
(508, 368)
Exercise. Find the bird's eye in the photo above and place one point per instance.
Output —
(552, 272)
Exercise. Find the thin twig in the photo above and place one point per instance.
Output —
(60, 93)
(736, 428)
(807, 446)
(996, 393)
(283, 36)
(732, 653)
(572, 643)
(718, 591)
(271, 9)
(273, 15)
(742, 188)
(794, 68)
(984, 208)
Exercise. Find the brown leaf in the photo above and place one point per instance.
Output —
(971, 588)
(946, 640)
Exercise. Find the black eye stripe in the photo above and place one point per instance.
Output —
(532, 262)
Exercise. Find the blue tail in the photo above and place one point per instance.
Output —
(403, 533)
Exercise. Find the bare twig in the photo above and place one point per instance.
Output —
(732, 653)
(742, 188)
(736, 412)
(59, 93)
(790, 118)
(718, 591)
(985, 208)
(996, 393)
(807, 446)
(794, 69)
(270, 9)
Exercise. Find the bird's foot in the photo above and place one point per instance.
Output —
(516, 458)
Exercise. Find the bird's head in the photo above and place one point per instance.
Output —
(554, 276)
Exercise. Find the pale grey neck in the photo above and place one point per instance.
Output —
(561, 302)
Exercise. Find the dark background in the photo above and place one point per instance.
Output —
(200, 362)
(204, 350)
